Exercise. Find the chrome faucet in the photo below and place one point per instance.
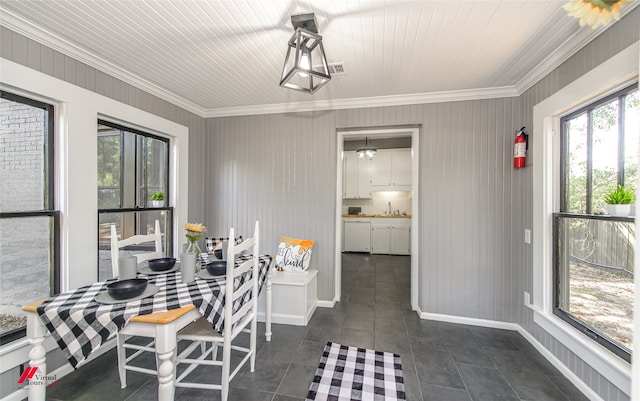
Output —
(389, 207)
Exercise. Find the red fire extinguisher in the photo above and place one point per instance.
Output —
(521, 144)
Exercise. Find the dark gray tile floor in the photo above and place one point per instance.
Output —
(441, 361)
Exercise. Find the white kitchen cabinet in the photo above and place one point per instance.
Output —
(391, 170)
(357, 235)
(391, 236)
(400, 240)
(380, 238)
(401, 168)
(356, 183)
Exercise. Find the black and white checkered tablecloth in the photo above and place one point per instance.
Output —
(80, 325)
(357, 374)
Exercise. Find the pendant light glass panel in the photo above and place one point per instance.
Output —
(305, 66)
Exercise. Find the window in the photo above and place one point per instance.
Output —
(132, 166)
(594, 252)
(29, 223)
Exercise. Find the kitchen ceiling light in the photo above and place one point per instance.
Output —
(366, 151)
(303, 50)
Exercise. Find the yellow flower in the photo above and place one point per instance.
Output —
(594, 12)
(195, 227)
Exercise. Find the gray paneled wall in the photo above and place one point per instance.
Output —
(281, 169)
(613, 40)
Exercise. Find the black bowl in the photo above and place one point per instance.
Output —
(217, 267)
(218, 253)
(162, 264)
(125, 289)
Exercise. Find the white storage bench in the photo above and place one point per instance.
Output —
(294, 297)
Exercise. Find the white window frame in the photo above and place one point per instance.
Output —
(614, 74)
(77, 111)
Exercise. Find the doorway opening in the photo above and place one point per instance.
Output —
(411, 192)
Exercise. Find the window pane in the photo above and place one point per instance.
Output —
(108, 167)
(631, 135)
(576, 164)
(131, 223)
(595, 274)
(25, 271)
(155, 167)
(605, 152)
(23, 160)
(132, 166)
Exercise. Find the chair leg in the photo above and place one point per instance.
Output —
(122, 359)
(252, 342)
(226, 367)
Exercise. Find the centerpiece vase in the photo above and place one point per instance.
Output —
(195, 248)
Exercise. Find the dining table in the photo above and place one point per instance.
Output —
(80, 324)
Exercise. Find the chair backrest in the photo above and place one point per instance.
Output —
(247, 274)
(212, 242)
(116, 245)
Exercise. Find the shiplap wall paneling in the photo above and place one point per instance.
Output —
(280, 170)
(465, 172)
(618, 37)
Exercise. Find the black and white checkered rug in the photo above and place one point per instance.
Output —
(358, 374)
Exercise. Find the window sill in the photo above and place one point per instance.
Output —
(612, 367)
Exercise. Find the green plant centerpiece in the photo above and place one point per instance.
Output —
(619, 201)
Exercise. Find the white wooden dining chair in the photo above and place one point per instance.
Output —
(125, 342)
(116, 245)
(205, 340)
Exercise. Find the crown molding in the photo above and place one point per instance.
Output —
(44, 37)
(570, 47)
(375, 101)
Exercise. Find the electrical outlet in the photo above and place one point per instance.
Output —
(527, 298)
(527, 236)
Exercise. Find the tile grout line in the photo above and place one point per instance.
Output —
(497, 367)
(413, 357)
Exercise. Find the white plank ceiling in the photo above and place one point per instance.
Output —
(217, 55)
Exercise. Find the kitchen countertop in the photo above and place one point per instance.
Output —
(377, 216)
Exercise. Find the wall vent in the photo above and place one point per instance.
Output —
(336, 68)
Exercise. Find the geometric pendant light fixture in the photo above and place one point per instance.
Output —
(367, 150)
(305, 66)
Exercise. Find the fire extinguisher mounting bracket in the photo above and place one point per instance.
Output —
(526, 137)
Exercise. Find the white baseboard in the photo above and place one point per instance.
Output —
(586, 390)
(327, 304)
(470, 321)
(281, 318)
(582, 386)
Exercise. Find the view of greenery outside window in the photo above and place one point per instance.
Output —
(29, 223)
(132, 166)
(594, 252)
